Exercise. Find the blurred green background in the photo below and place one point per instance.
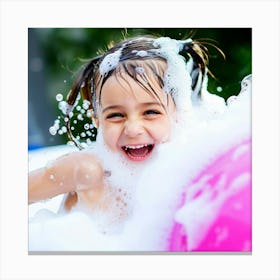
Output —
(55, 56)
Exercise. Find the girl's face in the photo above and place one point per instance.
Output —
(133, 121)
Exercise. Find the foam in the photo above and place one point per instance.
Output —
(142, 217)
(154, 190)
(110, 62)
(177, 80)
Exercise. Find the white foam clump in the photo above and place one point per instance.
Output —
(198, 213)
(153, 190)
(110, 62)
(142, 53)
(177, 80)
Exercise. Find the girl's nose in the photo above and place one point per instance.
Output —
(133, 128)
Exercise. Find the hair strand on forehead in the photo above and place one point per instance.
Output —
(143, 79)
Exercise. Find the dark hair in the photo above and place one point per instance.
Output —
(90, 77)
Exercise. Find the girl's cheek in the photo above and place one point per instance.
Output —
(110, 136)
(166, 136)
(166, 131)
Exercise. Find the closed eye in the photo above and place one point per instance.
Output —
(152, 112)
(114, 115)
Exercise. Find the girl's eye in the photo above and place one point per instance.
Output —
(115, 115)
(151, 112)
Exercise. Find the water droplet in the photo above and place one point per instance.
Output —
(80, 117)
(70, 143)
(89, 113)
(219, 89)
(52, 130)
(86, 126)
(63, 106)
(140, 70)
(59, 97)
(86, 104)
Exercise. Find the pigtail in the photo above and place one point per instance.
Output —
(83, 86)
(197, 66)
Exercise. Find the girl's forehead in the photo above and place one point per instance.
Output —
(134, 74)
(122, 85)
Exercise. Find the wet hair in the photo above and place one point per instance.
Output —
(134, 54)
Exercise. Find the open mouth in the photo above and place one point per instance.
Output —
(138, 152)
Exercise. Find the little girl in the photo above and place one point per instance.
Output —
(144, 95)
(137, 90)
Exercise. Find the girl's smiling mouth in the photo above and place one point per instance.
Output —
(138, 152)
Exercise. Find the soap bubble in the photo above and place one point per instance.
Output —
(89, 113)
(59, 97)
(80, 117)
(52, 130)
(86, 104)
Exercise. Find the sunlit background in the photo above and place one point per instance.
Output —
(55, 56)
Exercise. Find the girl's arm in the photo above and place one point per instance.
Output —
(78, 171)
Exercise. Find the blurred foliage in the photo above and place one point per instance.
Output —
(64, 51)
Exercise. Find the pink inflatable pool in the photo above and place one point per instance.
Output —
(229, 227)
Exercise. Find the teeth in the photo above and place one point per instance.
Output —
(135, 147)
